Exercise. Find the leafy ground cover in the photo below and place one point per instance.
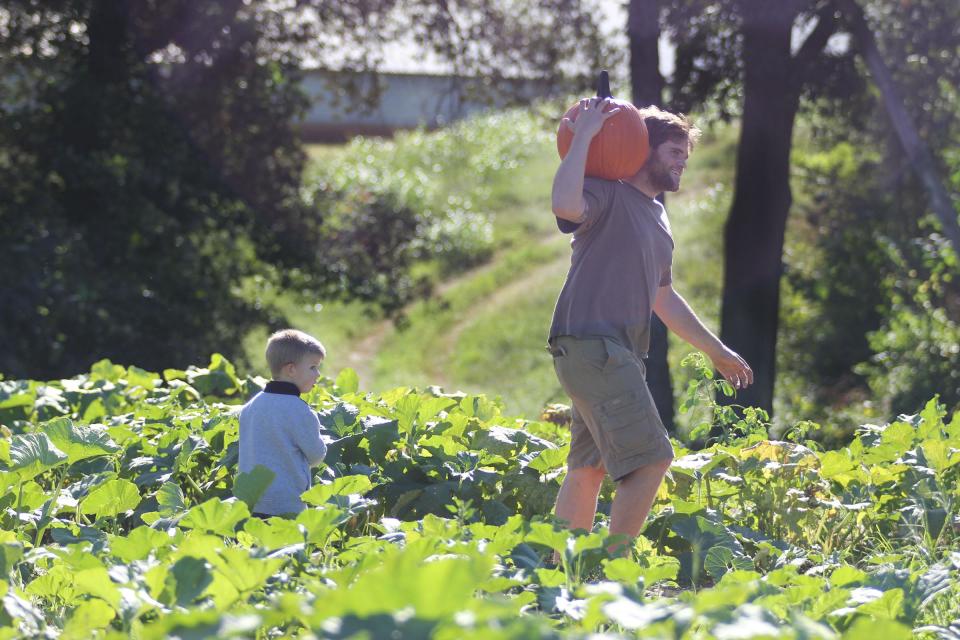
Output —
(123, 516)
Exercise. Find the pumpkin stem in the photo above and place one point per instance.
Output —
(603, 85)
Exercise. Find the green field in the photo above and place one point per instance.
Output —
(123, 517)
(483, 331)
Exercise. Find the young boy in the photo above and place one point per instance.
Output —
(278, 429)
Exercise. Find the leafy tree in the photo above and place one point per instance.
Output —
(775, 56)
(148, 163)
(773, 80)
(556, 43)
(884, 279)
(151, 172)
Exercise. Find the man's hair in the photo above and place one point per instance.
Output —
(290, 345)
(663, 125)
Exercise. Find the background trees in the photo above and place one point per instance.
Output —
(151, 184)
(151, 171)
(148, 163)
(776, 56)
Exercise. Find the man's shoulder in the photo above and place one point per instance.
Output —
(598, 184)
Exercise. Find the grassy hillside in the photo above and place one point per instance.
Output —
(484, 330)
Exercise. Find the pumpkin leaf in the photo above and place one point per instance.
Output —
(720, 560)
(88, 616)
(549, 459)
(188, 578)
(78, 442)
(111, 498)
(321, 523)
(342, 486)
(216, 516)
(347, 381)
(249, 486)
(96, 582)
(10, 554)
(138, 544)
(170, 498)
(33, 453)
(243, 572)
(275, 533)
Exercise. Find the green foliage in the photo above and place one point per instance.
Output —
(431, 518)
(866, 307)
(916, 347)
(443, 182)
(111, 498)
(250, 486)
(153, 180)
(871, 289)
(146, 173)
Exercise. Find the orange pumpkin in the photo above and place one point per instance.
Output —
(618, 150)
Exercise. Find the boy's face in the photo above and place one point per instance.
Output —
(304, 373)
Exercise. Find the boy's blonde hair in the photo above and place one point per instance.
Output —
(290, 345)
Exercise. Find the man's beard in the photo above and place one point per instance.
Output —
(661, 179)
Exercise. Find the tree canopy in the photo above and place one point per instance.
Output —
(151, 171)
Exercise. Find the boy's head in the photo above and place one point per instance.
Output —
(294, 356)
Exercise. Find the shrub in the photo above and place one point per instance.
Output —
(917, 348)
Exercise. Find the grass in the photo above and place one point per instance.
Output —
(485, 329)
(502, 349)
(422, 352)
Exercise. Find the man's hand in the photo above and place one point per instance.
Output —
(733, 368)
(680, 318)
(590, 117)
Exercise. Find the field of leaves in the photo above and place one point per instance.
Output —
(122, 516)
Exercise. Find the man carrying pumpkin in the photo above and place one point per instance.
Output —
(620, 274)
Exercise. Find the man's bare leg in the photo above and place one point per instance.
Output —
(577, 499)
(634, 498)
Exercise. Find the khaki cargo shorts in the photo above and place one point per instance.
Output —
(615, 422)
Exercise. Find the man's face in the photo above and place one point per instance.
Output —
(667, 162)
(304, 373)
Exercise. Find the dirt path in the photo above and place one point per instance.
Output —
(498, 300)
(364, 352)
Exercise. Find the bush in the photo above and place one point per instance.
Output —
(917, 348)
(448, 178)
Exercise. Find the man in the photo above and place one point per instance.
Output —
(620, 273)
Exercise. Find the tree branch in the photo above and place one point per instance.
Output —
(827, 22)
(913, 145)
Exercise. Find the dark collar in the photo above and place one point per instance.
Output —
(285, 388)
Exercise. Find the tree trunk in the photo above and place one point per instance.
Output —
(754, 234)
(643, 28)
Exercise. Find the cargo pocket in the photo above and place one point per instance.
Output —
(616, 355)
(628, 421)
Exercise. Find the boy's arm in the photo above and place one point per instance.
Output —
(680, 318)
(308, 438)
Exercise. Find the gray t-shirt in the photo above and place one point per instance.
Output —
(282, 433)
(622, 253)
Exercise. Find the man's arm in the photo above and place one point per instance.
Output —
(674, 311)
(567, 194)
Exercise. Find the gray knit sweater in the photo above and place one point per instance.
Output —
(281, 432)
